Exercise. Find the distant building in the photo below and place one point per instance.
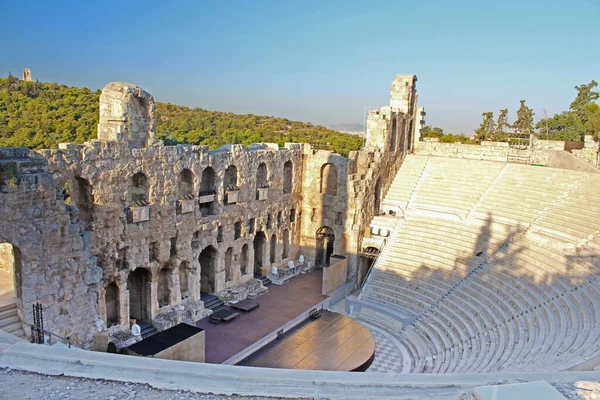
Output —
(27, 75)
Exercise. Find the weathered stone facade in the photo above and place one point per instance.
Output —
(49, 248)
(137, 229)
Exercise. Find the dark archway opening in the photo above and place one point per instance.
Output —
(183, 280)
(244, 260)
(137, 192)
(393, 134)
(111, 299)
(207, 192)
(84, 201)
(377, 201)
(324, 245)
(259, 250)
(288, 177)
(138, 283)
(273, 252)
(208, 267)
(164, 291)
(228, 264)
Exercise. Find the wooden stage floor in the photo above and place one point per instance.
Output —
(278, 306)
(333, 342)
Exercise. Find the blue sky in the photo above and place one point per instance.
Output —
(316, 61)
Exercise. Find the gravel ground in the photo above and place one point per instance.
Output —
(580, 390)
(18, 385)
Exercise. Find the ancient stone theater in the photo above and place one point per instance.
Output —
(409, 256)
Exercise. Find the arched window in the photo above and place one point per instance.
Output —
(207, 183)
(329, 179)
(273, 249)
(286, 243)
(244, 260)
(261, 176)
(325, 238)
(228, 267)
(183, 280)
(208, 268)
(163, 288)
(230, 180)
(111, 299)
(185, 187)
(288, 177)
(137, 191)
(377, 200)
(393, 134)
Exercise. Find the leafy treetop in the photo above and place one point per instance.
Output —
(41, 115)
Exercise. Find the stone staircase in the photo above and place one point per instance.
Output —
(10, 321)
(265, 281)
(147, 329)
(212, 302)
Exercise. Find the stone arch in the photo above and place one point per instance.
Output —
(325, 238)
(244, 260)
(329, 179)
(137, 189)
(377, 200)
(403, 136)
(207, 183)
(163, 288)
(208, 269)
(230, 180)
(83, 199)
(185, 186)
(228, 264)
(288, 177)
(273, 249)
(184, 286)
(127, 113)
(139, 284)
(259, 251)
(262, 179)
(11, 268)
(393, 134)
(286, 244)
(112, 301)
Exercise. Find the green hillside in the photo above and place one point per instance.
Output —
(41, 115)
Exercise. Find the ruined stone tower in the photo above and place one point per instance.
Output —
(127, 115)
(27, 75)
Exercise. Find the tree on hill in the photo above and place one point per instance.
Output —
(524, 122)
(585, 97)
(429, 132)
(502, 127)
(41, 115)
(487, 128)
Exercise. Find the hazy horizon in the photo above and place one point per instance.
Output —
(315, 62)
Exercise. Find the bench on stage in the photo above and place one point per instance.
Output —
(223, 315)
(246, 305)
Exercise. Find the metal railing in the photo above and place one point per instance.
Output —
(368, 275)
(39, 336)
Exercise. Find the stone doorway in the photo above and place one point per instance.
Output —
(208, 267)
(111, 299)
(11, 283)
(324, 245)
(138, 283)
(259, 252)
(10, 274)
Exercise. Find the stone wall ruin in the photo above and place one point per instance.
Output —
(131, 228)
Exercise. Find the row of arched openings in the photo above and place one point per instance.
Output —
(138, 189)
